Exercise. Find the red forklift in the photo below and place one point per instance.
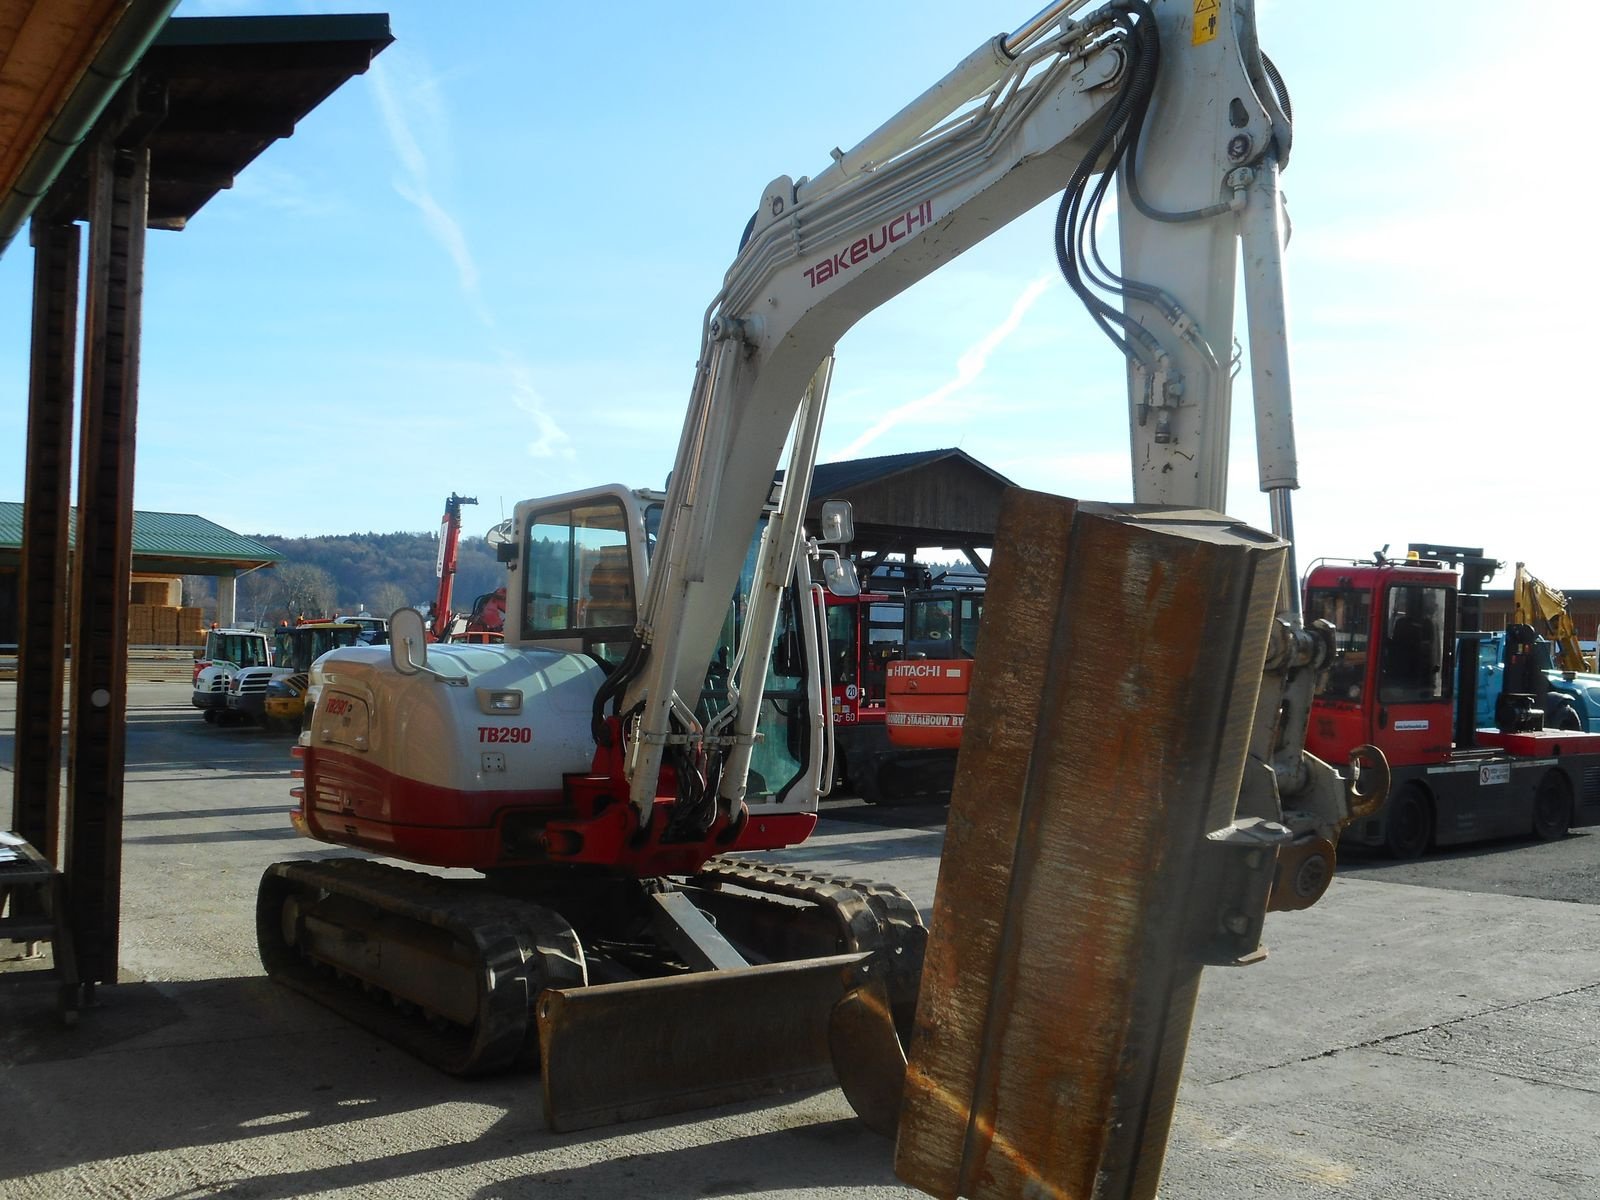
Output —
(1403, 679)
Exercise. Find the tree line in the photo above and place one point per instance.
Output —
(345, 573)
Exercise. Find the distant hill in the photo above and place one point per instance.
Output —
(378, 571)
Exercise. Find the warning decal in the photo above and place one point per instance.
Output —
(1206, 15)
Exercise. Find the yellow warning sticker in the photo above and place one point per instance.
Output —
(1206, 15)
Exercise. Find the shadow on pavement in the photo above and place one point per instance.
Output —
(887, 816)
(267, 1079)
(831, 1154)
(151, 1068)
(1371, 860)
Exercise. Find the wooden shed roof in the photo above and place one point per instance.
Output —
(927, 498)
(207, 94)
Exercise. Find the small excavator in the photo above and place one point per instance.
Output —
(658, 714)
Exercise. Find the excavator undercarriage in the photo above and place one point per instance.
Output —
(453, 970)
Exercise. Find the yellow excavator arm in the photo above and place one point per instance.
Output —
(1536, 603)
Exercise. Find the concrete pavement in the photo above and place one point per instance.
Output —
(1401, 1041)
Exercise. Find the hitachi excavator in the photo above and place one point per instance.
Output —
(658, 711)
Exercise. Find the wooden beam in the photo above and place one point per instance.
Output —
(224, 117)
(42, 586)
(97, 728)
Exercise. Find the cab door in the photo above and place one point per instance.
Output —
(1412, 720)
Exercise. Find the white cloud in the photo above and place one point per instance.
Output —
(968, 368)
(550, 440)
(416, 118)
(448, 233)
(409, 102)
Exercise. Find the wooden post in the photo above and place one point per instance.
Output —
(118, 206)
(42, 590)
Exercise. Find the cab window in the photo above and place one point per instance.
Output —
(971, 617)
(580, 576)
(245, 651)
(842, 647)
(1416, 620)
(1349, 611)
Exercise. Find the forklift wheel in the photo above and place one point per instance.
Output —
(1552, 807)
(1409, 828)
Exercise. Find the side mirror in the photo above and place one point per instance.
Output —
(503, 537)
(839, 576)
(838, 523)
(408, 641)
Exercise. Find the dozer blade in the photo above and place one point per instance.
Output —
(649, 1047)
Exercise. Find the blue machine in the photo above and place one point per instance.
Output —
(1573, 698)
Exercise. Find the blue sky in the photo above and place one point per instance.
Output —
(482, 268)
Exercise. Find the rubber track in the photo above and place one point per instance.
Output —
(896, 932)
(519, 948)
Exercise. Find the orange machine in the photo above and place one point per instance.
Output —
(927, 689)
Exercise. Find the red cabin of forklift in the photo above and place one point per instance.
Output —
(1391, 684)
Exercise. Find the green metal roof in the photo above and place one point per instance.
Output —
(181, 542)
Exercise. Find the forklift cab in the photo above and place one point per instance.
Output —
(1391, 682)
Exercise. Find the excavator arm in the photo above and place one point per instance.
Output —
(449, 545)
(1536, 603)
(1190, 121)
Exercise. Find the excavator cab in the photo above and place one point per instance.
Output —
(579, 566)
(928, 688)
(943, 624)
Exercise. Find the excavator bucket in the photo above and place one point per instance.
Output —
(650, 1047)
(1093, 859)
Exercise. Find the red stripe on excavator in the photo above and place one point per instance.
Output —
(353, 803)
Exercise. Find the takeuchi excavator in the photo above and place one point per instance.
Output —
(658, 711)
